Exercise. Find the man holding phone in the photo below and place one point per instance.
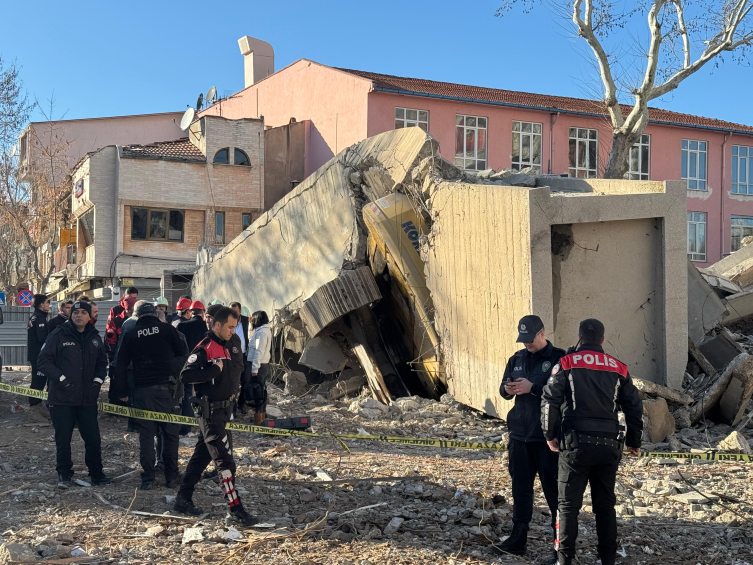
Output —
(525, 375)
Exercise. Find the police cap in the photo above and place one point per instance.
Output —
(528, 327)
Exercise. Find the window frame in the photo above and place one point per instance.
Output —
(695, 256)
(167, 211)
(520, 164)
(638, 146)
(214, 159)
(242, 152)
(739, 227)
(740, 163)
(686, 148)
(217, 215)
(408, 122)
(466, 128)
(573, 170)
(243, 219)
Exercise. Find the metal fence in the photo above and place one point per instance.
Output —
(14, 326)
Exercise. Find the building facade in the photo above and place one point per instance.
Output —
(480, 128)
(141, 210)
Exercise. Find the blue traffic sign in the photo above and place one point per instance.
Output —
(2, 299)
(25, 297)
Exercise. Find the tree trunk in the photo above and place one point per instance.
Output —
(618, 163)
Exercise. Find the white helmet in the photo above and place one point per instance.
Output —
(161, 301)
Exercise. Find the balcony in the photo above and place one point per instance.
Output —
(63, 257)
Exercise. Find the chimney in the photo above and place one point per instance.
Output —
(258, 59)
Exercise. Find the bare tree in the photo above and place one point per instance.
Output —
(32, 198)
(683, 36)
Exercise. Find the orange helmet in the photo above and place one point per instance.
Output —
(183, 304)
(196, 305)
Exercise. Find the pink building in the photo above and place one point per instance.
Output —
(481, 128)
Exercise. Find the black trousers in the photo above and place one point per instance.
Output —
(186, 409)
(38, 382)
(527, 459)
(63, 420)
(157, 399)
(256, 391)
(214, 444)
(596, 465)
(245, 394)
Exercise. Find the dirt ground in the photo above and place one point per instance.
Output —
(456, 505)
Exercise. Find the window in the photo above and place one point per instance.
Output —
(741, 227)
(240, 158)
(694, 164)
(697, 236)
(639, 159)
(86, 222)
(742, 168)
(584, 152)
(222, 157)
(526, 145)
(219, 227)
(157, 225)
(470, 142)
(246, 220)
(407, 117)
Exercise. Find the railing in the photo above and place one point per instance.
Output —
(63, 257)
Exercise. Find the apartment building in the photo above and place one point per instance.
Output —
(480, 127)
(143, 209)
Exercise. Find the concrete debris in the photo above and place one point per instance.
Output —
(295, 383)
(719, 350)
(658, 423)
(393, 526)
(12, 553)
(735, 443)
(647, 387)
(347, 387)
(736, 267)
(705, 308)
(154, 531)
(324, 354)
(191, 535)
(274, 412)
(735, 399)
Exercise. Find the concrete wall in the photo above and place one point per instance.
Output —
(617, 254)
(665, 162)
(284, 159)
(334, 101)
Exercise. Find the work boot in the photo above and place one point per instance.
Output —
(608, 560)
(259, 418)
(239, 517)
(171, 483)
(565, 561)
(63, 481)
(159, 468)
(185, 505)
(145, 484)
(101, 480)
(516, 543)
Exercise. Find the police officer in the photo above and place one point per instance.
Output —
(62, 317)
(579, 416)
(525, 375)
(209, 368)
(74, 362)
(151, 346)
(36, 334)
(194, 329)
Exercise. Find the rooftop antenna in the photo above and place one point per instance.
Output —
(211, 96)
(200, 102)
(187, 119)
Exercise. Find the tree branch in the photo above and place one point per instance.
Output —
(683, 29)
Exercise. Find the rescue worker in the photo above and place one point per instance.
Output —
(182, 311)
(161, 303)
(579, 408)
(75, 365)
(258, 358)
(126, 327)
(151, 347)
(194, 329)
(63, 313)
(36, 334)
(525, 375)
(209, 367)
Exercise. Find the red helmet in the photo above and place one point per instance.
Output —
(183, 304)
(196, 305)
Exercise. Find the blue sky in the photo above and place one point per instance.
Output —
(114, 58)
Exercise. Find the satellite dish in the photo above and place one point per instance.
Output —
(199, 102)
(211, 95)
(187, 119)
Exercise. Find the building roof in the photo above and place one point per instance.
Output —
(496, 96)
(179, 150)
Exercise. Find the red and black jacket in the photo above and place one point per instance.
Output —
(586, 390)
(202, 371)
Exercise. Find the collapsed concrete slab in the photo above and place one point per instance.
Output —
(737, 266)
(608, 249)
(705, 307)
(314, 232)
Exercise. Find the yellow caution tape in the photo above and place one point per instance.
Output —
(130, 412)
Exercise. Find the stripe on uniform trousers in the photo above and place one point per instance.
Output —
(227, 484)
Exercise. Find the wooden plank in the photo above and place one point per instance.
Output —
(665, 392)
(373, 375)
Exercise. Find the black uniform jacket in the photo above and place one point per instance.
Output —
(584, 394)
(75, 364)
(151, 347)
(194, 329)
(36, 334)
(524, 420)
(206, 376)
(58, 320)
